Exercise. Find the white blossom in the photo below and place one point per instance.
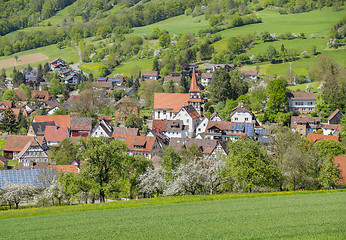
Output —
(152, 181)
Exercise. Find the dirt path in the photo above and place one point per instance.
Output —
(75, 66)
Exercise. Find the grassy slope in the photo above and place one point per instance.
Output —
(69, 54)
(301, 216)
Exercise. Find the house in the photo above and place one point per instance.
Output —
(305, 125)
(15, 143)
(5, 105)
(102, 85)
(319, 137)
(206, 79)
(167, 105)
(142, 145)
(30, 108)
(3, 162)
(65, 168)
(200, 129)
(335, 117)
(102, 129)
(228, 130)
(57, 63)
(59, 120)
(162, 139)
(171, 128)
(216, 117)
(51, 106)
(211, 149)
(116, 81)
(122, 132)
(38, 128)
(55, 134)
(32, 165)
(242, 114)
(340, 161)
(330, 129)
(73, 79)
(150, 75)
(214, 67)
(36, 95)
(190, 117)
(302, 102)
(124, 107)
(106, 118)
(32, 152)
(250, 74)
(80, 126)
(33, 177)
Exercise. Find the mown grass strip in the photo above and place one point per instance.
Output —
(29, 212)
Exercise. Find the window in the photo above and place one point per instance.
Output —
(246, 119)
(164, 112)
(303, 109)
(310, 109)
(235, 119)
(188, 120)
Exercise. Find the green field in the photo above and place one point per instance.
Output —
(298, 216)
(302, 87)
(69, 54)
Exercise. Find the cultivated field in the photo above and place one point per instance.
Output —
(22, 60)
(272, 216)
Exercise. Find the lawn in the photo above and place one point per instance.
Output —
(302, 87)
(125, 68)
(298, 216)
(69, 54)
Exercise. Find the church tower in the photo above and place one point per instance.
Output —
(195, 94)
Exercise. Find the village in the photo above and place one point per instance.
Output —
(177, 120)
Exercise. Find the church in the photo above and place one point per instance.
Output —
(167, 105)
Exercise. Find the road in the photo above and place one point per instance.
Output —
(75, 66)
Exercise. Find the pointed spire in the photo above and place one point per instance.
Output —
(194, 86)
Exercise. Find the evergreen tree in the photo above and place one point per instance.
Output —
(220, 86)
(21, 120)
(184, 84)
(130, 82)
(156, 65)
(136, 85)
(8, 123)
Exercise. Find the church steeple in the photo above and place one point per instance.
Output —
(195, 93)
(194, 86)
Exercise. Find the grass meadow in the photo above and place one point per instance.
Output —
(320, 215)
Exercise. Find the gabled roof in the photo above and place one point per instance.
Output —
(6, 104)
(55, 134)
(312, 121)
(206, 145)
(150, 73)
(59, 120)
(146, 142)
(170, 101)
(102, 84)
(159, 124)
(31, 143)
(3, 160)
(249, 72)
(207, 75)
(191, 110)
(119, 132)
(33, 165)
(64, 168)
(225, 126)
(40, 127)
(334, 114)
(35, 94)
(17, 110)
(318, 137)
(172, 78)
(194, 86)
(105, 126)
(16, 143)
(175, 125)
(331, 126)
(81, 124)
(301, 96)
(104, 117)
(240, 108)
(52, 103)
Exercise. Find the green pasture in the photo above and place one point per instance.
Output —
(176, 25)
(125, 68)
(69, 54)
(302, 87)
(316, 22)
(298, 216)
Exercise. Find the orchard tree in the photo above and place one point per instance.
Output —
(153, 181)
(277, 95)
(64, 154)
(164, 40)
(16, 193)
(10, 95)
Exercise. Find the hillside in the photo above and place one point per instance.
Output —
(306, 216)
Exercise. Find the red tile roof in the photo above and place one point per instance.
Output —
(194, 86)
(207, 75)
(59, 120)
(121, 132)
(301, 96)
(249, 72)
(55, 134)
(171, 78)
(332, 126)
(318, 137)
(17, 110)
(160, 124)
(170, 101)
(150, 73)
(81, 124)
(16, 143)
(64, 168)
(6, 104)
(341, 162)
(107, 118)
(313, 121)
(146, 142)
(36, 94)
